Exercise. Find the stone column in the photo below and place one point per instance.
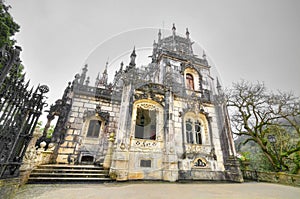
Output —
(170, 172)
(120, 156)
(108, 156)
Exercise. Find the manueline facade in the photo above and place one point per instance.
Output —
(164, 121)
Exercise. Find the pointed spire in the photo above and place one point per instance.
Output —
(219, 87)
(97, 80)
(133, 52)
(105, 70)
(121, 66)
(204, 55)
(83, 74)
(218, 83)
(103, 79)
(159, 36)
(187, 33)
(132, 57)
(174, 29)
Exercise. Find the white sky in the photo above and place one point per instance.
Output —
(257, 40)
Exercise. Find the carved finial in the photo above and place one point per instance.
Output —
(132, 57)
(83, 74)
(204, 58)
(219, 87)
(76, 79)
(104, 75)
(105, 70)
(121, 66)
(218, 83)
(159, 36)
(97, 80)
(174, 29)
(204, 55)
(87, 81)
(187, 33)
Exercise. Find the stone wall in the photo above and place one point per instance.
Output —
(76, 142)
(279, 177)
(8, 187)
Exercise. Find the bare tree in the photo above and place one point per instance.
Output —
(259, 114)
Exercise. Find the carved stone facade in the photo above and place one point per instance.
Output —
(169, 119)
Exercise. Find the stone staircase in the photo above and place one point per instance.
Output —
(68, 173)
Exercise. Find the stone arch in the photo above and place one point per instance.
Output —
(197, 78)
(192, 135)
(147, 120)
(89, 122)
(93, 143)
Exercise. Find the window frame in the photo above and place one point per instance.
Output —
(152, 106)
(142, 119)
(189, 81)
(95, 132)
(199, 131)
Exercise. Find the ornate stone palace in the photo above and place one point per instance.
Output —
(164, 121)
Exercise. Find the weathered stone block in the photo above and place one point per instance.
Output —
(62, 159)
(135, 175)
(77, 104)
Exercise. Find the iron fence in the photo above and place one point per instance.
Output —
(20, 108)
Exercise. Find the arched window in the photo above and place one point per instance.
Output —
(189, 131)
(193, 131)
(198, 132)
(145, 125)
(94, 128)
(189, 81)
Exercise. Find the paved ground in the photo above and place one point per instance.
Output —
(158, 190)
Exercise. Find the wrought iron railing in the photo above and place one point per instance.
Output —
(20, 108)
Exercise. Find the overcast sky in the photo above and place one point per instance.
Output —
(255, 40)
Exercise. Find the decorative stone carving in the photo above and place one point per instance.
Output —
(97, 112)
(146, 145)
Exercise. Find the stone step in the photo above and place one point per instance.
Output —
(68, 173)
(66, 166)
(48, 179)
(59, 170)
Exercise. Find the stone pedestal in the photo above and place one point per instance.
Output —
(170, 173)
(119, 166)
(108, 156)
